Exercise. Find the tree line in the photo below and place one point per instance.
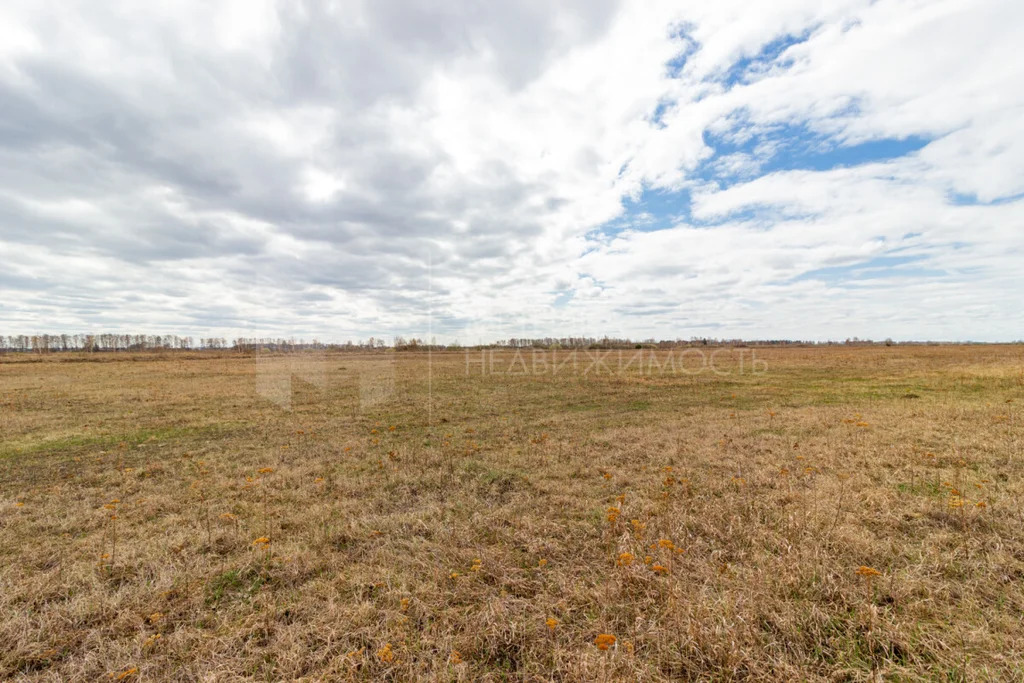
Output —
(111, 342)
(97, 342)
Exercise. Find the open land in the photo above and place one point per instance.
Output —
(837, 513)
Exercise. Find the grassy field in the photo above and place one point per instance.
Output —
(819, 514)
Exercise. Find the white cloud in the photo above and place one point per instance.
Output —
(337, 170)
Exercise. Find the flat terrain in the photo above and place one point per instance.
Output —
(814, 514)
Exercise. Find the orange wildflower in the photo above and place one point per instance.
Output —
(385, 654)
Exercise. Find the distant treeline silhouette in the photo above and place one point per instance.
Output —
(111, 342)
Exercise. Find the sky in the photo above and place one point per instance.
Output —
(472, 171)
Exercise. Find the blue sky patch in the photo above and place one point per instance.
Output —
(793, 147)
(876, 268)
(682, 34)
(959, 199)
(748, 69)
(563, 298)
(653, 210)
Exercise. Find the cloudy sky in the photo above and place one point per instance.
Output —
(477, 170)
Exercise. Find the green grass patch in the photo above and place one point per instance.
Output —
(82, 441)
(234, 583)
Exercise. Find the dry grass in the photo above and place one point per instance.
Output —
(718, 526)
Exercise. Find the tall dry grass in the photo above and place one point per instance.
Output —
(848, 514)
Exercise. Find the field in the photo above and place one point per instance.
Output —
(840, 513)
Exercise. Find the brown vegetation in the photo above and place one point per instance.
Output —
(844, 514)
